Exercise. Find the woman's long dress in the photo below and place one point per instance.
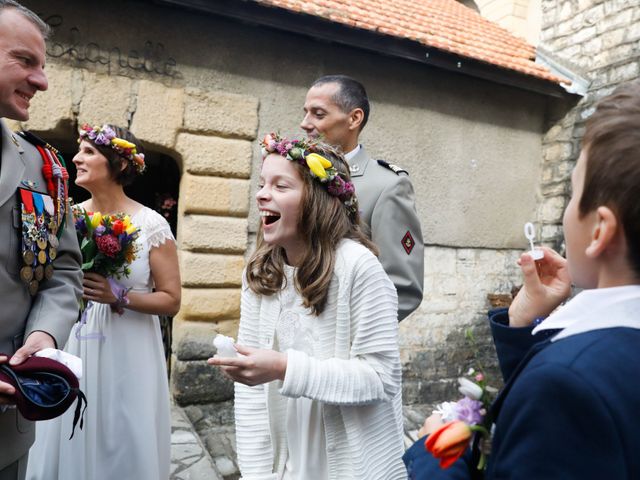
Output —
(127, 425)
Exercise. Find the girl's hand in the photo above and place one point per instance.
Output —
(97, 289)
(255, 367)
(546, 285)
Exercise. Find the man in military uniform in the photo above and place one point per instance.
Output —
(36, 314)
(337, 108)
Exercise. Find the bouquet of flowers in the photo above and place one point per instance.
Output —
(107, 242)
(463, 419)
(108, 247)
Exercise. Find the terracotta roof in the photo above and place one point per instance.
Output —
(443, 24)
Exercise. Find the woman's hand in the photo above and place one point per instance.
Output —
(546, 285)
(255, 367)
(97, 289)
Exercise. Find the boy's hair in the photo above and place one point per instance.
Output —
(115, 161)
(324, 220)
(612, 174)
(351, 94)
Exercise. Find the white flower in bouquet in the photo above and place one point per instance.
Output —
(469, 389)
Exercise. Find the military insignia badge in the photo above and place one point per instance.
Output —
(408, 242)
(30, 184)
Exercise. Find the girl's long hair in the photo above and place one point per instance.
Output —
(324, 221)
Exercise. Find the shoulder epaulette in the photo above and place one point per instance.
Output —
(37, 141)
(394, 168)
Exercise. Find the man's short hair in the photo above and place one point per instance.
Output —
(350, 95)
(612, 174)
(45, 29)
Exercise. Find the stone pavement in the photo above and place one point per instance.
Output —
(189, 459)
(203, 440)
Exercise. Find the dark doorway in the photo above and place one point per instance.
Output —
(157, 188)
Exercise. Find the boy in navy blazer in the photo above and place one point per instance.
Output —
(570, 405)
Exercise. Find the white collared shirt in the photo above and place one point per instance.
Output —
(352, 153)
(594, 310)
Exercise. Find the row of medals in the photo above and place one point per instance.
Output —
(39, 249)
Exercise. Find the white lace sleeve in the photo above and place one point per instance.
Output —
(156, 229)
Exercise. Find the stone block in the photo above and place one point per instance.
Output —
(214, 195)
(52, 111)
(210, 304)
(213, 234)
(211, 270)
(552, 209)
(216, 416)
(551, 233)
(106, 99)
(558, 151)
(158, 115)
(199, 382)
(220, 113)
(628, 71)
(215, 156)
(193, 340)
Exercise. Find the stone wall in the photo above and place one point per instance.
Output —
(601, 39)
(436, 348)
(521, 17)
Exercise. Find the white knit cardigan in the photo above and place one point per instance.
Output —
(358, 379)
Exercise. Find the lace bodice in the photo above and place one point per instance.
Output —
(154, 231)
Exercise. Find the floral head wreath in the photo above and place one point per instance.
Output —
(105, 135)
(304, 152)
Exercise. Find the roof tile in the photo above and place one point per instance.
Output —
(443, 24)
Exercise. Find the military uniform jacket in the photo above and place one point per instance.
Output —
(54, 308)
(387, 207)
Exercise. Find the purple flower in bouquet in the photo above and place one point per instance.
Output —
(470, 411)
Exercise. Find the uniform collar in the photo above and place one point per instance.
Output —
(13, 165)
(357, 160)
(594, 310)
(348, 156)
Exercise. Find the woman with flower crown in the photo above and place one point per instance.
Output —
(127, 426)
(318, 376)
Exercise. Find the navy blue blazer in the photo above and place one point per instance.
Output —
(569, 409)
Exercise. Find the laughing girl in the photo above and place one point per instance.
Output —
(318, 378)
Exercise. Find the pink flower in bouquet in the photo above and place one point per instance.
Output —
(109, 245)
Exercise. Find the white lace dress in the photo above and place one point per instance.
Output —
(127, 426)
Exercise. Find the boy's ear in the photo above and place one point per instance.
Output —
(604, 233)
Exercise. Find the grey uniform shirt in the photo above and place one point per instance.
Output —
(387, 207)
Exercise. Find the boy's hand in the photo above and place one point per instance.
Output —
(255, 367)
(431, 424)
(546, 285)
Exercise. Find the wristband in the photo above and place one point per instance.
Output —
(120, 292)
